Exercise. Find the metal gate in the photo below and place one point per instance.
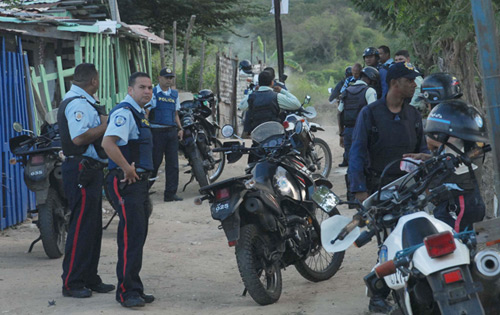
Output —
(15, 199)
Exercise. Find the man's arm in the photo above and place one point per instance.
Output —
(243, 106)
(359, 152)
(180, 132)
(287, 100)
(113, 151)
(383, 83)
(80, 132)
(92, 134)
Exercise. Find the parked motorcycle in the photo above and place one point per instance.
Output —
(268, 214)
(315, 151)
(42, 158)
(199, 141)
(428, 267)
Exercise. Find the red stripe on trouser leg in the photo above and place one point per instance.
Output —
(77, 231)
(461, 214)
(125, 234)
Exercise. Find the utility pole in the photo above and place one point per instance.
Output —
(487, 45)
(279, 39)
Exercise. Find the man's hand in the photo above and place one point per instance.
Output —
(417, 156)
(361, 195)
(180, 134)
(277, 88)
(130, 174)
(341, 141)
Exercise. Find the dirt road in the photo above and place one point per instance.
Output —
(188, 266)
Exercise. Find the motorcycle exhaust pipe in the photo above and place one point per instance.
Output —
(253, 204)
(487, 264)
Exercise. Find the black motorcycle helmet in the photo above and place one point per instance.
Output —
(440, 87)
(371, 73)
(370, 51)
(206, 95)
(246, 66)
(454, 118)
(348, 71)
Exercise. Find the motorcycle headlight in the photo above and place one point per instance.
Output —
(282, 183)
(187, 121)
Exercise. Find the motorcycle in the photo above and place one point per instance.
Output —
(316, 151)
(42, 158)
(268, 214)
(433, 268)
(198, 143)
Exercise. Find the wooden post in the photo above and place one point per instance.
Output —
(202, 64)
(174, 50)
(234, 120)
(251, 52)
(186, 50)
(217, 86)
(162, 50)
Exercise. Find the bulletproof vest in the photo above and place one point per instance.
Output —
(262, 107)
(164, 112)
(389, 139)
(68, 147)
(139, 151)
(354, 99)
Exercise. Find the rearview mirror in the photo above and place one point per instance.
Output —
(307, 99)
(325, 199)
(17, 127)
(227, 131)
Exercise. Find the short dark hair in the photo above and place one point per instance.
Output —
(135, 75)
(270, 70)
(402, 52)
(265, 78)
(84, 73)
(358, 66)
(385, 49)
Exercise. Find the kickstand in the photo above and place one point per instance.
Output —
(109, 222)
(244, 292)
(34, 242)
(189, 182)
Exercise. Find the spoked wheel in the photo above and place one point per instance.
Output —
(52, 223)
(219, 160)
(322, 157)
(320, 265)
(261, 277)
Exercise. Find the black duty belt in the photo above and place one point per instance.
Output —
(88, 162)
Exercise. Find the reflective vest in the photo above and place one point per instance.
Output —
(139, 151)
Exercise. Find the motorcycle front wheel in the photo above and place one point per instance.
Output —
(322, 157)
(219, 161)
(320, 265)
(262, 278)
(52, 225)
(199, 172)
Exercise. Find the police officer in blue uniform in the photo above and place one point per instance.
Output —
(129, 145)
(167, 130)
(81, 125)
(384, 131)
(371, 57)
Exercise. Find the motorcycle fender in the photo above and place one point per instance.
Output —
(231, 227)
(223, 209)
(427, 265)
(459, 297)
(41, 195)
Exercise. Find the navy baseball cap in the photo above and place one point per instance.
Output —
(401, 70)
(166, 72)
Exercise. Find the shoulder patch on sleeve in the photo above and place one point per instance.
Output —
(120, 120)
(78, 115)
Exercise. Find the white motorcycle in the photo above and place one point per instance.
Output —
(428, 268)
(316, 151)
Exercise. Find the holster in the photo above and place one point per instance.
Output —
(90, 169)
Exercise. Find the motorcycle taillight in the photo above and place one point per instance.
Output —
(37, 159)
(222, 194)
(440, 244)
(453, 276)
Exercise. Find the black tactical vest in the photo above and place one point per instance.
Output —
(69, 148)
(262, 107)
(354, 99)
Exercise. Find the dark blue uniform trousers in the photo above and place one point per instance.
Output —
(347, 141)
(165, 142)
(83, 244)
(131, 203)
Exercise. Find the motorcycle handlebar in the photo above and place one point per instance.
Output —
(349, 227)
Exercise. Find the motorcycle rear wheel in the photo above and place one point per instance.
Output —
(262, 279)
(220, 161)
(52, 227)
(323, 159)
(320, 265)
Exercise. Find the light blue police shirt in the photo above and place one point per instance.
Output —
(81, 116)
(122, 124)
(153, 102)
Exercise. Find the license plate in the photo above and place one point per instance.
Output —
(221, 206)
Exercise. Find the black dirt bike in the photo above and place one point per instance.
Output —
(268, 213)
(42, 158)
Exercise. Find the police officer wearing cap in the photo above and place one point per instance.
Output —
(384, 131)
(129, 145)
(82, 123)
(167, 130)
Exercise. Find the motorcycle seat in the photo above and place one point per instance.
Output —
(414, 231)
